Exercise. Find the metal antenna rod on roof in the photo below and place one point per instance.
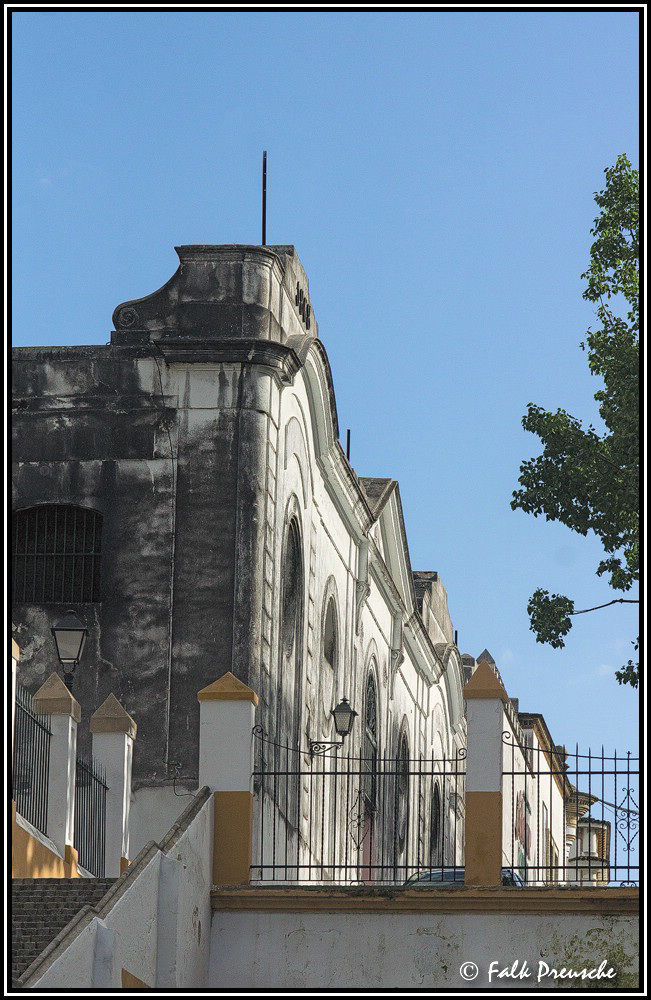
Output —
(264, 197)
(348, 444)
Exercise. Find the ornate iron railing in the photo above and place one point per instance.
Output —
(90, 815)
(31, 767)
(322, 817)
(573, 818)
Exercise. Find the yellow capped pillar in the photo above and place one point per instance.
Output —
(114, 732)
(55, 699)
(485, 697)
(227, 717)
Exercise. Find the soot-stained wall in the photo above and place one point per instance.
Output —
(164, 433)
(92, 428)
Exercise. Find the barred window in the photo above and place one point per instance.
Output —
(56, 555)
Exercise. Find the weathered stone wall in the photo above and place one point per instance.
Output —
(205, 427)
(104, 440)
(89, 430)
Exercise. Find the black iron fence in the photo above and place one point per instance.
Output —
(322, 817)
(31, 768)
(572, 818)
(90, 815)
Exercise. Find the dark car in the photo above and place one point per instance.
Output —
(443, 876)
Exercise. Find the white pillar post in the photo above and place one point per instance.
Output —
(15, 656)
(114, 732)
(55, 699)
(227, 717)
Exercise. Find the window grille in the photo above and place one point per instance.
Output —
(56, 555)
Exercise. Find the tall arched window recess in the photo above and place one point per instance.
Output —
(436, 829)
(370, 744)
(402, 791)
(292, 590)
(56, 554)
(330, 639)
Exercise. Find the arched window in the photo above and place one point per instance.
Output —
(436, 830)
(289, 708)
(289, 694)
(329, 654)
(56, 555)
(402, 791)
(369, 752)
(292, 590)
(330, 649)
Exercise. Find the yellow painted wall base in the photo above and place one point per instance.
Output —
(70, 862)
(32, 859)
(131, 982)
(233, 840)
(483, 825)
(535, 901)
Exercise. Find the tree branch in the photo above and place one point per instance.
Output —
(618, 600)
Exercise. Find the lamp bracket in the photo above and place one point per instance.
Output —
(319, 748)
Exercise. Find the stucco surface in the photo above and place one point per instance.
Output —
(153, 811)
(389, 951)
(193, 854)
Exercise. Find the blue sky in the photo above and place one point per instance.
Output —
(436, 173)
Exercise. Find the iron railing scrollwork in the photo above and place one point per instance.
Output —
(317, 823)
(573, 818)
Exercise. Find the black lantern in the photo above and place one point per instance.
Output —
(343, 716)
(70, 636)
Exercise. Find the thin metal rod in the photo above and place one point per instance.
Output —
(264, 197)
(420, 821)
(348, 444)
(261, 806)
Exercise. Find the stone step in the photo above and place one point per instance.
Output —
(41, 908)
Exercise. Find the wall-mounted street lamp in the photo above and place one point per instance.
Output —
(70, 636)
(343, 716)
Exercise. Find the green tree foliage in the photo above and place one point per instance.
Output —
(587, 480)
